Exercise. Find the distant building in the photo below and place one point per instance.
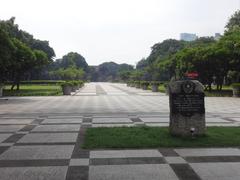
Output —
(217, 36)
(188, 37)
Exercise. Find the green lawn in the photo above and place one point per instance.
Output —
(155, 137)
(33, 90)
(226, 92)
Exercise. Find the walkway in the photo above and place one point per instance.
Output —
(41, 137)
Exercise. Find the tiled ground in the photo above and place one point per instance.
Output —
(40, 138)
(102, 98)
(50, 148)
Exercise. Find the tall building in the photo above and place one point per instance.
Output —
(217, 36)
(188, 37)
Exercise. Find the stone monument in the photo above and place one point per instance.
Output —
(187, 108)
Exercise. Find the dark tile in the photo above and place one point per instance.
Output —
(168, 152)
(87, 120)
(77, 173)
(80, 153)
(37, 121)
(118, 161)
(14, 138)
(86, 125)
(54, 132)
(213, 159)
(52, 143)
(121, 161)
(136, 120)
(100, 161)
(184, 172)
(28, 128)
(34, 163)
(147, 160)
(3, 149)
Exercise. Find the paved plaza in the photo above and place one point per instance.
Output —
(41, 137)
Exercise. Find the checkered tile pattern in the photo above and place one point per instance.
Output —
(41, 137)
(50, 148)
(107, 98)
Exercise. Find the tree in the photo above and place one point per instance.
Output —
(233, 21)
(73, 59)
(70, 73)
(24, 60)
(142, 64)
(6, 50)
(28, 55)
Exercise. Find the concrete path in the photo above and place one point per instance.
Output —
(41, 137)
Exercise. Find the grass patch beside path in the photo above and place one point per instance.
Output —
(154, 137)
(33, 90)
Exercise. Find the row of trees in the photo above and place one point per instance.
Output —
(20, 53)
(214, 60)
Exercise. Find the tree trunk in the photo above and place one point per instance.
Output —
(13, 85)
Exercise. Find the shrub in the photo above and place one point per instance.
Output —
(155, 83)
(67, 83)
(236, 85)
(145, 83)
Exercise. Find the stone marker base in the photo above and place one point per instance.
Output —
(187, 126)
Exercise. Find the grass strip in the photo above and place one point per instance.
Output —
(155, 137)
(33, 90)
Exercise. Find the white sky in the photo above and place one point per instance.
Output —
(116, 30)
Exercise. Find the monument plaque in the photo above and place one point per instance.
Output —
(187, 110)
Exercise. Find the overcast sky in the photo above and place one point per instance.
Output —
(116, 30)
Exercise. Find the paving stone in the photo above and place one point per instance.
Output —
(132, 172)
(37, 152)
(79, 162)
(216, 120)
(111, 120)
(155, 119)
(69, 116)
(62, 121)
(33, 173)
(236, 119)
(10, 128)
(77, 173)
(4, 137)
(21, 132)
(193, 159)
(168, 152)
(157, 124)
(3, 148)
(175, 160)
(49, 138)
(124, 153)
(185, 172)
(34, 163)
(6, 144)
(222, 124)
(85, 94)
(28, 127)
(217, 171)
(54, 128)
(208, 152)
(112, 125)
(13, 138)
(16, 121)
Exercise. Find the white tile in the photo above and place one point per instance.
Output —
(124, 153)
(132, 172)
(79, 162)
(208, 152)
